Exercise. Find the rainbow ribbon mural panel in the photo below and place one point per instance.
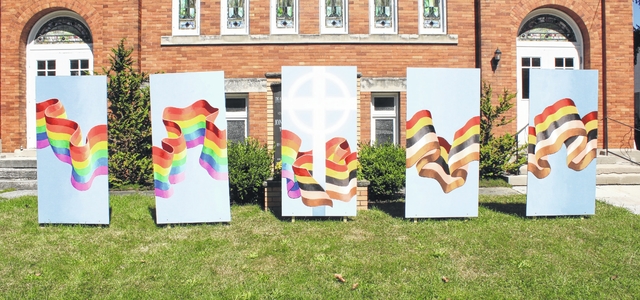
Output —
(71, 133)
(443, 143)
(190, 166)
(563, 131)
(319, 158)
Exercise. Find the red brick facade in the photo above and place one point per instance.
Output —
(494, 23)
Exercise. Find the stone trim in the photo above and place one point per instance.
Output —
(383, 84)
(245, 85)
(449, 39)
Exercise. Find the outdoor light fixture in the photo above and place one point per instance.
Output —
(497, 55)
(496, 59)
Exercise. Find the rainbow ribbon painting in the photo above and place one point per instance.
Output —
(88, 159)
(297, 167)
(187, 128)
(558, 124)
(434, 157)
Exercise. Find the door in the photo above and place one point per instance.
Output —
(51, 63)
(538, 58)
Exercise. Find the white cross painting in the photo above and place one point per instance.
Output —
(319, 158)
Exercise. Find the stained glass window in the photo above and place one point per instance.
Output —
(236, 14)
(383, 13)
(334, 13)
(187, 14)
(546, 28)
(63, 30)
(431, 14)
(285, 13)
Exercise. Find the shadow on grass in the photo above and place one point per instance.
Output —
(515, 209)
(153, 213)
(394, 208)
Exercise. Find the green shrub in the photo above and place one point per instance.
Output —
(383, 166)
(129, 123)
(249, 166)
(498, 155)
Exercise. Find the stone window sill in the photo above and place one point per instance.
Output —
(450, 39)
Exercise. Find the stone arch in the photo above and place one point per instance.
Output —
(587, 20)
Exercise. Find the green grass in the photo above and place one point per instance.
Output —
(7, 190)
(493, 182)
(500, 254)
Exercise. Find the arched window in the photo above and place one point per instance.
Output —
(63, 30)
(59, 44)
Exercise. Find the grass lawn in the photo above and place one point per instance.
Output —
(501, 254)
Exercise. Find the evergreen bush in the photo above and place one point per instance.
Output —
(249, 166)
(498, 155)
(129, 122)
(383, 165)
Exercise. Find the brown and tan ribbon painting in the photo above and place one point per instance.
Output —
(297, 168)
(434, 157)
(560, 124)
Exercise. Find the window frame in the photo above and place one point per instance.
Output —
(443, 19)
(383, 115)
(272, 19)
(236, 115)
(224, 30)
(372, 23)
(323, 17)
(175, 20)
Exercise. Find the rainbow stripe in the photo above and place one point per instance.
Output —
(297, 167)
(187, 128)
(559, 124)
(289, 149)
(434, 157)
(88, 159)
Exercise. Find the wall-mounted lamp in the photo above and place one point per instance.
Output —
(497, 55)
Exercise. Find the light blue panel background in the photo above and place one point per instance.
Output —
(298, 100)
(85, 100)
(453, 97)
(198, 198)
(564, 191)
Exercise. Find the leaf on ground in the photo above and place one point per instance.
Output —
(339, 277)
(445, 279)
(614, 277)
(354, 286)
(38, 274)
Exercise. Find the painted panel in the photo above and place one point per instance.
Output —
(319, 158)
(71, 130)
(563, 131)
(443, 134)
(190, 148)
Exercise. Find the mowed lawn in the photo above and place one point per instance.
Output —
(380, 255)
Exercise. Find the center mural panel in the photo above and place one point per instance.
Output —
(443, 143)
(319, 158)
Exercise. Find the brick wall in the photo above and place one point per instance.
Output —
(144, 22)
(109, 21)
(499, 26)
